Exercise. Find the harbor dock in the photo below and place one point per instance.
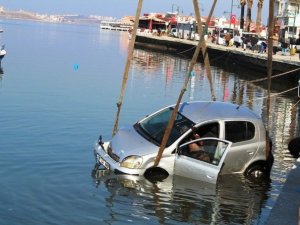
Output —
(221, 55)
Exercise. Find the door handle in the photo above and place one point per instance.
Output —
(209, 177)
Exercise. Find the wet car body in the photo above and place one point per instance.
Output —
(233, 136)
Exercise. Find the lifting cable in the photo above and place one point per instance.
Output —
(129, 57)
(274, 95)
(187, 50)
(274, 76)
(204, 46)
(187, 78)
(295, 104)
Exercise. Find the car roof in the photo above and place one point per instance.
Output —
(200, 111)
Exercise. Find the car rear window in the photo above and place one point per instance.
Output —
(237, 131)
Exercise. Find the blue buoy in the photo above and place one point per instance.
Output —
(75, 67)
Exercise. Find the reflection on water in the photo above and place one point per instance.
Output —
(227, 86)
(1, 75)
(233, 200)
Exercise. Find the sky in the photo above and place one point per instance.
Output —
(120, 8)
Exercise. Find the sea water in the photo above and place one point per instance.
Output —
(58, 93)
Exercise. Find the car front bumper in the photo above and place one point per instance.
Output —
(103, 158)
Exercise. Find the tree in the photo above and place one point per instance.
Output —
(248, 18)
(258, 18)
(243, 3)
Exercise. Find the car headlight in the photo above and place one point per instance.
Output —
(132, 162)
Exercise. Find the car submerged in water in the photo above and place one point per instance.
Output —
(230, 138)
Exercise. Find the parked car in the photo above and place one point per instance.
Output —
(245, 38)
(174, 32)
(232, 138)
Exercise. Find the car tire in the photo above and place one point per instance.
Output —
(156, 174)
(256, 171)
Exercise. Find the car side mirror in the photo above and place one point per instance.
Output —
(179, 150)
(182, 149)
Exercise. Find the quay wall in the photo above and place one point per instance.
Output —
(223, 56)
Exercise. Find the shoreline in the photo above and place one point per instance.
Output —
(51, 22)
(44, 18)
(186, 47)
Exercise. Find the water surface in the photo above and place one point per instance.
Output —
(58, 93)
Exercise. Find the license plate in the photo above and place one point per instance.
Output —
(103, 162)
(101, 173)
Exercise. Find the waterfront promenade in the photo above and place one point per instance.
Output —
(247, 58)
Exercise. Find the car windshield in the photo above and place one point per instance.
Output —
(153, 127)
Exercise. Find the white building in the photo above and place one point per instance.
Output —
(287, 13)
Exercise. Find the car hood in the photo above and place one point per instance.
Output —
(128, 142)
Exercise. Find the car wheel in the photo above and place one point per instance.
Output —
(256, 171)
(156, 174)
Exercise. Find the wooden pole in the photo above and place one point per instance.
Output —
(269, 65)
(270, 42)
(126, 70)
(204, 46)
(270, 48)
(243, 3)
(174, 113)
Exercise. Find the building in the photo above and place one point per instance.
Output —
(287, 15)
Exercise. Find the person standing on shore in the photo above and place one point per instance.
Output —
(246, 41)
(227, 38)
(253, 41)
(275, 39)
(284, 46)
(214, 38)
(298, 44)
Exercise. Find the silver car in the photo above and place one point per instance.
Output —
(207, 139)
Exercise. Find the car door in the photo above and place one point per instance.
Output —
(245, 144)
(206, 164)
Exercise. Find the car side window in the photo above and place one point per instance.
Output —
(202, 150)
(238, 131)
(206, 150)
(207, 130)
